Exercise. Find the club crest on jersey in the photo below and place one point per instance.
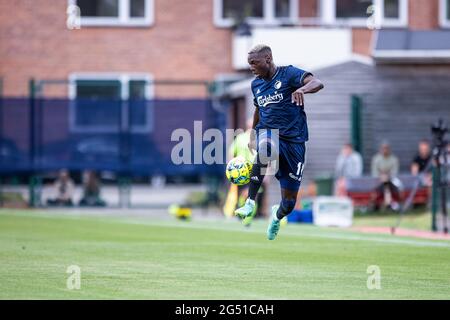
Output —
(277, 85)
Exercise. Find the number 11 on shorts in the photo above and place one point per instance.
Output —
(300, 167)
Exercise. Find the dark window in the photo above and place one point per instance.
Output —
(282, 8)
(448, 10)
(352, 8)
(138, 104)
(239, 9)
(137, 89)
(98, 103)
(99, 8)
(98, 89)
(392, 9)
(137, 8)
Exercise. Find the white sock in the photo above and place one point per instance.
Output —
(275, 217)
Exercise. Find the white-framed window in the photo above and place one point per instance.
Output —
(127, 13)
(256, 12)
(444, 13)
(111, 102)
(361, 13)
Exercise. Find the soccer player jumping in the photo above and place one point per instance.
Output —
(279, 104)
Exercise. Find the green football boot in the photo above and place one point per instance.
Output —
(274, 225)
(248, 220)
(246, 210)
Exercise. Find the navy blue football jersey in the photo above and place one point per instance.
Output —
(274, 101)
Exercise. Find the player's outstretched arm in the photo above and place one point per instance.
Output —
(311, 85)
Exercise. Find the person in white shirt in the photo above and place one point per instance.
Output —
(64, 190)
(349, 164)
(385, 167)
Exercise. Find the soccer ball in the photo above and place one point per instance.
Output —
(238, 171)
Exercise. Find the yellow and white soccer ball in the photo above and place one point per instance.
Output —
(238, 171)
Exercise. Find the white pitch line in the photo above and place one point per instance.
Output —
(195, 225)
(412, 242)
(417, 243)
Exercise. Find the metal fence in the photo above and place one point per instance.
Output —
(131, 137)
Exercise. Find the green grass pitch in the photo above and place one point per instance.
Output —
(125, 258)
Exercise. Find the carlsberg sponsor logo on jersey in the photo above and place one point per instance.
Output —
(265, 100)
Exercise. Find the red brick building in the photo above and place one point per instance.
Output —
(173, 39)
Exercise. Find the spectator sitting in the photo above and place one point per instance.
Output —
(348, 165)
(64, 188)
(447, 163)
(91, 193)
(420, 163)
(385, 167)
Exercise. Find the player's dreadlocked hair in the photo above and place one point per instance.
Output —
(260, 48)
